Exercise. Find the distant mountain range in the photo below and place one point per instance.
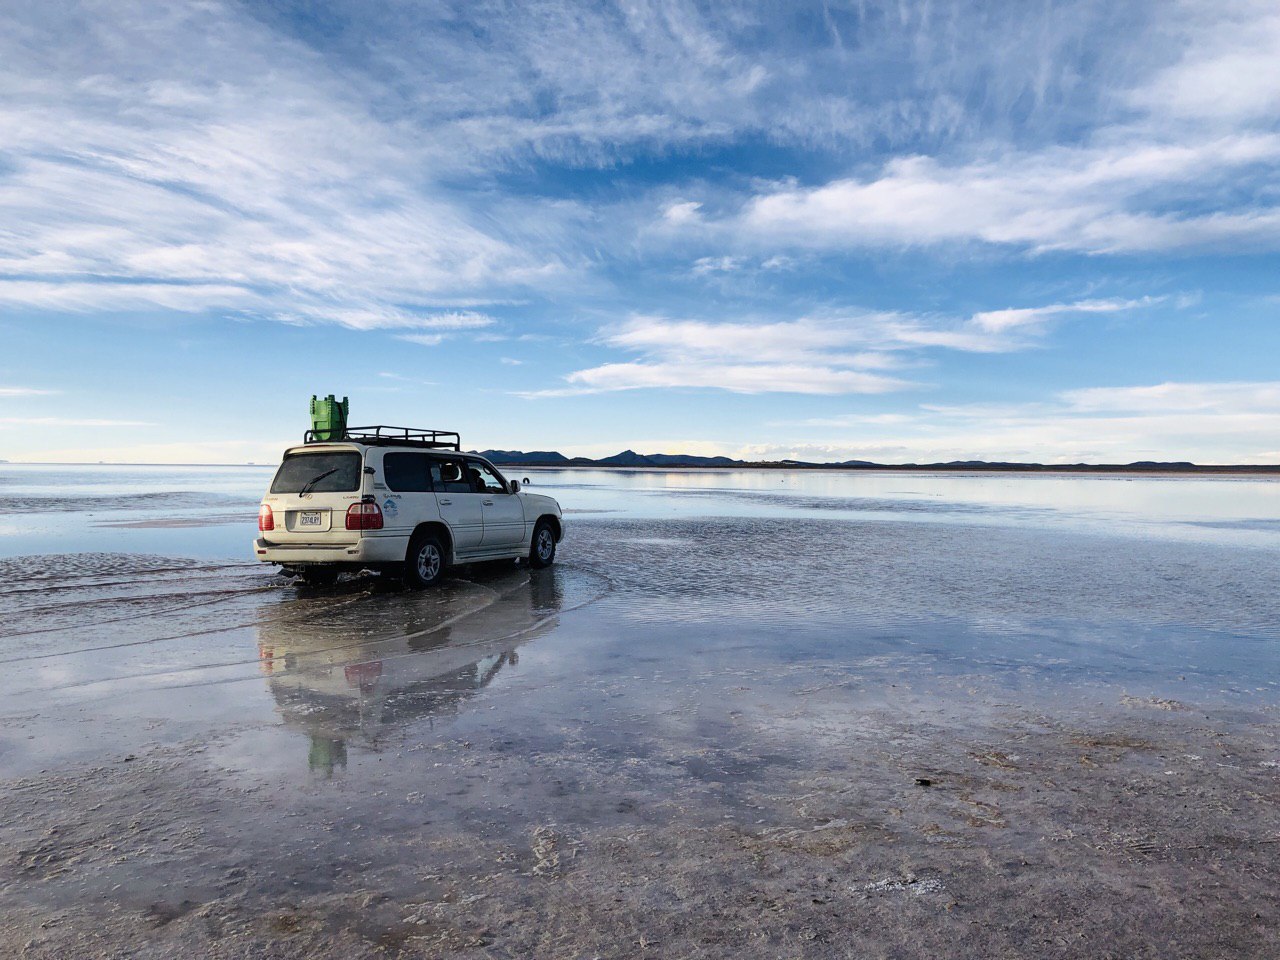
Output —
(629, 458)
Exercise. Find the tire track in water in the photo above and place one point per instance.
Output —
(312, 654)
(212, 631)
(135, 598)
(221, 597)
(16, 572)
(103, 583)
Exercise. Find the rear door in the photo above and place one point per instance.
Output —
(311, 492)
(409, 498)
(458, 503)
(503, 511)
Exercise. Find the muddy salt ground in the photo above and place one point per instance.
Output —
(745, 714)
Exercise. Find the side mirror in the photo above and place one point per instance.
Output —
(515, 486)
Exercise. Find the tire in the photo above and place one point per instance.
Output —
(542, 549)
(318, 577)
(424, 563)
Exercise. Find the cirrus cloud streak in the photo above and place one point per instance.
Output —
(838, 354)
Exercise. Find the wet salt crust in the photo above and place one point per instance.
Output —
(827, 732)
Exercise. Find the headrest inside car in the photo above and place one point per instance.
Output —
(451, 473)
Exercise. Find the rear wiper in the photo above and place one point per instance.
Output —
(306, 487)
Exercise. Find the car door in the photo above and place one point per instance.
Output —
(458, 503)
(503, 511)
(408, 499)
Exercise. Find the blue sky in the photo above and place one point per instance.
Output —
(889, 231)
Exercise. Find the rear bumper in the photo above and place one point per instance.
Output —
(365, 550)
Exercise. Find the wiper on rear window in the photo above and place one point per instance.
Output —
(306, 487)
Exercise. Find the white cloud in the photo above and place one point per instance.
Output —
(423, 339)
(682, 212)
(184, 158)
(801, 340)
(713, 266)
(70, 422)
(403, 379)
(468, 320)
(1000, 321)
(448, 324)
(996, 331)
(389, 318)
(1230, 68)
(848, 420)
(25, 392)
(1204, 422)
(799, 356)
(194, 451)
(1239, 398)
(83, 297)
(1093, 199)
(736, 378)
(779, 262)
(707, 265)
(151, 146)
(1190, 164)
(811, 355)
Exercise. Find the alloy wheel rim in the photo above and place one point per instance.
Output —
(428, 562)
(545, 544)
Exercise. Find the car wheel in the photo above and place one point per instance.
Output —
(542, 551)
(424, 563)
(318, 577)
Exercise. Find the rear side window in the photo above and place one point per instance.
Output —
(407, 472)
(331, 472)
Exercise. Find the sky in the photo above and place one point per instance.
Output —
(892, 231)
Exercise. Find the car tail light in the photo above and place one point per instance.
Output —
(266, 519)
(364, 516)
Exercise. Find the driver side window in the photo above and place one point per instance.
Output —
(483, 479)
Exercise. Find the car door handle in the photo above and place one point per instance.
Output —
(487, 503)
(444, 503)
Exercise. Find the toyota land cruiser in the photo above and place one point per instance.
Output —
(398, 500)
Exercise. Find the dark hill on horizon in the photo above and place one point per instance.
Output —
(630, 459)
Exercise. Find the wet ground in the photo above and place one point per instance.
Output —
(836, 721)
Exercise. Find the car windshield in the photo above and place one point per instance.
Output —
(330, 472)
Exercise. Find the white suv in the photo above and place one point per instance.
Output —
(398, 500)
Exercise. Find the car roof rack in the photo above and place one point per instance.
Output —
(382, 435)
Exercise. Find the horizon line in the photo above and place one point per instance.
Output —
(1153, 466)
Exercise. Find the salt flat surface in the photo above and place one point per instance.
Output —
(809, 714)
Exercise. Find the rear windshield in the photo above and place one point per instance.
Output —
(332, 472)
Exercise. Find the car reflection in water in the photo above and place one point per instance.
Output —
(350, 668)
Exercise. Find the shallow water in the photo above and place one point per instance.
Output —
(1164, 584)
(207, 511)
(776, 652)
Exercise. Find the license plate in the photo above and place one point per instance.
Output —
(309, 518)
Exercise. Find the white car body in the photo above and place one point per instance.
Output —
(477, 516)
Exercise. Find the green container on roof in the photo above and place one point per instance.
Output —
(329, 417)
